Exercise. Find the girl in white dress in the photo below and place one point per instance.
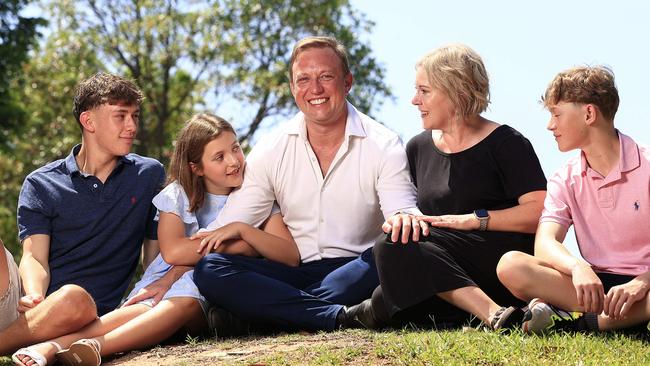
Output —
(206, 166)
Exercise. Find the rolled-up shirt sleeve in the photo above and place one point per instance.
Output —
(394, 186)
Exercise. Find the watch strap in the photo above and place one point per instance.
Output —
(483, 218)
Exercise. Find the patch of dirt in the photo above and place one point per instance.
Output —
(345, 347)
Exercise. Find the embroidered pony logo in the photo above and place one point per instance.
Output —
(636, 205)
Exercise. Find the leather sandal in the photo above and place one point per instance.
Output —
(84, 352)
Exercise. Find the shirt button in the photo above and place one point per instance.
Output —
(95, 185)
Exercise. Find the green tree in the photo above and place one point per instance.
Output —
(17, 35)
(225, 55)
(260, 38)
(49, 129)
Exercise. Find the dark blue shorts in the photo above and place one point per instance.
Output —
(610, 280)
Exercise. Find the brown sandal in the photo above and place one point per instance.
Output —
(84, 352)
(507, 318)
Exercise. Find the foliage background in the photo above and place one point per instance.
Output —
(227, 57)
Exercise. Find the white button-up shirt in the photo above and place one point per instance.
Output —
(336, 215)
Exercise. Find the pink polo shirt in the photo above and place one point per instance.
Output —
(611, 215)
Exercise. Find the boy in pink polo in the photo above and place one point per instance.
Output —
(605, 194)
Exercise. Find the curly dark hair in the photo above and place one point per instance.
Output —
(104, 88)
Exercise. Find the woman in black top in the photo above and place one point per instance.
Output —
(480, 187)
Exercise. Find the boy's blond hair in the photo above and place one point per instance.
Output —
(585, 85)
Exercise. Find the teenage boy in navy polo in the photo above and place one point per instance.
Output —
(83, 219)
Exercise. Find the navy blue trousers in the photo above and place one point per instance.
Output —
(307, 297)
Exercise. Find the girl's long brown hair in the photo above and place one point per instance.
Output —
(190, 143)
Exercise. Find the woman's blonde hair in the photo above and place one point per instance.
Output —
(458, 71)
(190, 143)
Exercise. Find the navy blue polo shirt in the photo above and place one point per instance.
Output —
(96, 230)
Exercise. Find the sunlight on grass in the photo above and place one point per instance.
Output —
(409, 347)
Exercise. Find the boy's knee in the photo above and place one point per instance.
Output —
(509, 263)
(64, 311)
(75, 304)
(512, 270)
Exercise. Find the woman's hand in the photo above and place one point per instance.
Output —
(154, 291)
(211, 240)
(405, 224)
(460, 222)
(620, 298)
(589, 288)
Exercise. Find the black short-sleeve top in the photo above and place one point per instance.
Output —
(492, 174)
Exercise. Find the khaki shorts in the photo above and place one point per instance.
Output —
(9, 300)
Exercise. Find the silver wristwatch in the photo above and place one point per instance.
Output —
(483, 217)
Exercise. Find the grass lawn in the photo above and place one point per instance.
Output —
(405, 347)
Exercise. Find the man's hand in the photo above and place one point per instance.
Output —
(405, 224)
(211, 240)
(620, 298)
(460, 222)
(589, 288)
(29, 301)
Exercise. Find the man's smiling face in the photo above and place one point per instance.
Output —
(319, 86)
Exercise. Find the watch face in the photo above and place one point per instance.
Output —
(482, 213)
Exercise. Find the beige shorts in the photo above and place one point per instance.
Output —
(9, 300)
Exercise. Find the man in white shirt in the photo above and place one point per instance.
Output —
(336, 175)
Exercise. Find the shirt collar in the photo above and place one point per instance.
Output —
(628, 160)
(353, 125)
(71, 162)
(629, 153)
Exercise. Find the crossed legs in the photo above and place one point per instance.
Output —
(449, 274)
(308, 297)
(64, 311)
(528, 277)
(135, 326)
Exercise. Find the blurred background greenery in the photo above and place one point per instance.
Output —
(227, 57)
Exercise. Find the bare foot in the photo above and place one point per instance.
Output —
(30, 355)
